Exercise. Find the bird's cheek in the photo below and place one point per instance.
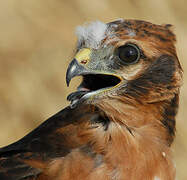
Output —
(132, 71)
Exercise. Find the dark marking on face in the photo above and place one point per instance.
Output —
(161, 71)
(156, 79)
(169, 114)
(159, 74)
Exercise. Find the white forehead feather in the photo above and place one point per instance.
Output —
(92, 34)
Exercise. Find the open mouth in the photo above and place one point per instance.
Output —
(93, 83)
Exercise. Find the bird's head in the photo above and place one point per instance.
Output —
(132, 76)
(125, 58)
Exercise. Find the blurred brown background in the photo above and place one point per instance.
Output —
(36, 44)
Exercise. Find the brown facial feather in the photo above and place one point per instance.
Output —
(125, 134)
(146, 31)
(144, 113)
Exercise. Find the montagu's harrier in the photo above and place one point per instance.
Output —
(121, 120)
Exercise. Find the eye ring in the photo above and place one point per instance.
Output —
(128, 54)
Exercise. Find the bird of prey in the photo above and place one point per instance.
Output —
(120, 123)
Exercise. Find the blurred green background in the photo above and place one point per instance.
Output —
(37, 41)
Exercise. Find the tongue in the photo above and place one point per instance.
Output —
(83, 89)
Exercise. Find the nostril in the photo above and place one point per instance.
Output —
(84, 61)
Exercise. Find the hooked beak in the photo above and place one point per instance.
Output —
(77, 65)
(74, 69)
(94, 80)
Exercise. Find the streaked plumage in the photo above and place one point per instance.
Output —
(121, 120)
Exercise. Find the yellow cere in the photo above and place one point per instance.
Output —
(83, 54)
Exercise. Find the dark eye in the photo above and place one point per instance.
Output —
(129, 54)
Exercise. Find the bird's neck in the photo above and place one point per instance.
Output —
(138, 138)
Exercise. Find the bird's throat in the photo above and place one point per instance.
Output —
(138, 140)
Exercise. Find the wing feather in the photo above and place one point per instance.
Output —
(56, 137)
